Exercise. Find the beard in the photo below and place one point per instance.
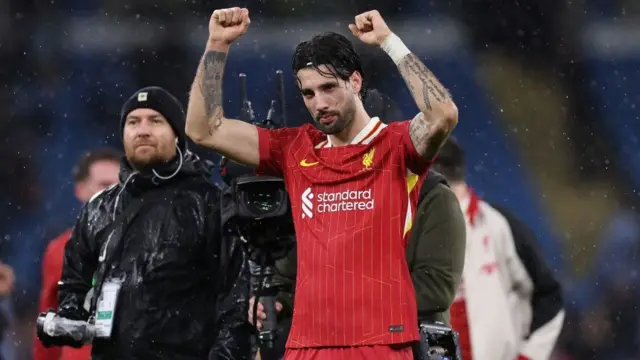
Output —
(342, 121)
(145, 161)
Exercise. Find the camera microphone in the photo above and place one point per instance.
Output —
(280, 92)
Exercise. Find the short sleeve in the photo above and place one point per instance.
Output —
(412, 158)
(274, 146)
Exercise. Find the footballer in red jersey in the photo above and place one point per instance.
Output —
(345, 176)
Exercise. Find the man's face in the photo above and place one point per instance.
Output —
(102, 174)
(149, 140)
(330, 100)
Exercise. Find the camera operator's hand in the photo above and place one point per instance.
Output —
(261, 315)
(63, 335)
(227, 25)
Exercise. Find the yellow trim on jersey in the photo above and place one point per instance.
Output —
(412, 180)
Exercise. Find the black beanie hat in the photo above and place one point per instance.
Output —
(160, 100)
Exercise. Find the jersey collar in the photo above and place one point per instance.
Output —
(471, 205)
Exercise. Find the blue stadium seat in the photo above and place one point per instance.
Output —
(615, 86)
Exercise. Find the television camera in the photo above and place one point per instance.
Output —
(257, 210)
(438, 342)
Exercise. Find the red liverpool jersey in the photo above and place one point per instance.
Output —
(350, 206)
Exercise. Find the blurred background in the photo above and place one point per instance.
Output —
(549, 115)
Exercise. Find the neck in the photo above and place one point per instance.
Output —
(360, 120)
(460, 189)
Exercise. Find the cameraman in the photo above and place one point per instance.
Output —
(151, 248)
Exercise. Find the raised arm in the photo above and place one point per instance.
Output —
(206, 124)
(438, 113)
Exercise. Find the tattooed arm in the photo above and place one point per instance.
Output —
(206, 124)
(438, 113)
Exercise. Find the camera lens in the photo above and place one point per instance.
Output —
(264, 199)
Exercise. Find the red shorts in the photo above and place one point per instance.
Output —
(375, 352)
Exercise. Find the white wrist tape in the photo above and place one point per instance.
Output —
(395, 48)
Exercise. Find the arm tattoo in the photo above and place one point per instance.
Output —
(426, 141)
(211, 87)
(422, 81)
(425, 132)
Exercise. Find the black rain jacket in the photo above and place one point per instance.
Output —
(185, 291)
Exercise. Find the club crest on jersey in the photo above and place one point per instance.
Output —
(367, 159)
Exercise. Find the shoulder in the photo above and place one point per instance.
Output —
(199, 194)
(56, 246)
(293, 135)
(396, 130)
(308, 131)
(198, 187)
(440, 202)
(495, 219)
(102, 194)
(102, 198)
(288, 132)
(505, 214)
(430, 181)
(442, 191)
(518, 229)
(398, 126)
(62, 238)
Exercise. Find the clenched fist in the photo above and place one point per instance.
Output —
(370, 28)
(227, 25)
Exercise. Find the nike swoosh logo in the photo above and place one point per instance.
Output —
(307, 164)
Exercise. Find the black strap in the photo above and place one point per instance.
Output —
(112, 248)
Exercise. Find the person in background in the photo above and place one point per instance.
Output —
(96, 170)
(509, 304)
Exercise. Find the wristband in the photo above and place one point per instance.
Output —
(395, 48)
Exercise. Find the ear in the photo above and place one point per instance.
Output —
(356, 82)
(79, 190)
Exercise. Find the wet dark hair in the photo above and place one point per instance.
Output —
(451, 161)
(333, 50)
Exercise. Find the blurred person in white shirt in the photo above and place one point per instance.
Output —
(509, 305)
